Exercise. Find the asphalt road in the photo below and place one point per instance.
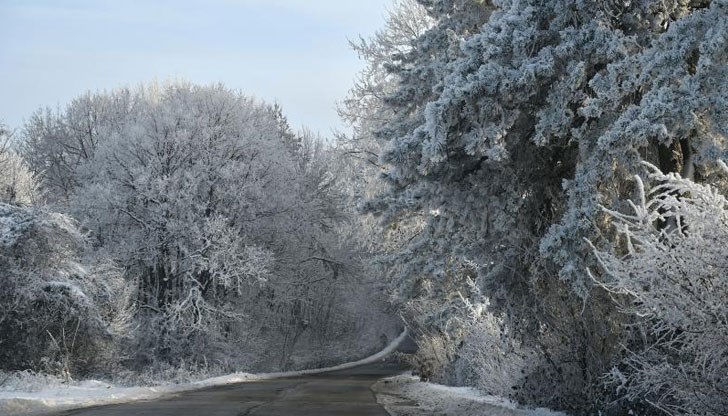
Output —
(346, 392)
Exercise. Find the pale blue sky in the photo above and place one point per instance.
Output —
(294, 52)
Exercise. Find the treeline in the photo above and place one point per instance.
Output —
(526, 241)
(178, 226)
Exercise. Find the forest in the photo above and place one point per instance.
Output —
(536, 190)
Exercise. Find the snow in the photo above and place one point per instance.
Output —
(69, 397)
(88, 393)
(406, 395)
(68, 287)
(13, 223)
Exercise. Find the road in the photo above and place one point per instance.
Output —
(345, 392)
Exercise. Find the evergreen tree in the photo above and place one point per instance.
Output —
(509, 124)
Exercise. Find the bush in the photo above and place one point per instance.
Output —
(672, 276)
(497, 363)
(55, 314)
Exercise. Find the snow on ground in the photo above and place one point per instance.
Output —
(406, 395)
(55, 397)
(85, 394)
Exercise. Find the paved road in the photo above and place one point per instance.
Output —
(346, 392)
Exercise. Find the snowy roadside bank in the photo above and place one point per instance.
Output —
(95, 393)
(406, 395)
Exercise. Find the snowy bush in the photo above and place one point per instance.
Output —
(495, 360)
(672, 275)
(54, 315)
(468, 345)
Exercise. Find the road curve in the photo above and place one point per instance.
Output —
(345, 392)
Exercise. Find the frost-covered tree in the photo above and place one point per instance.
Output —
(193, 195)
(406, 21)
(56, 143)
(675, 281)
(407, 51)
(224, 220)
(510, 123)
(18, 185)
(163, 194)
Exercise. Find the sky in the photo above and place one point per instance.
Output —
(293, 52)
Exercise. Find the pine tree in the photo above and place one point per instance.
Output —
(511, 123)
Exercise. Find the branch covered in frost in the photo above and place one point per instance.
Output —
(674, 271)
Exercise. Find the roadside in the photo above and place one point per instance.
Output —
(406, 395)
(95, 393)
(343, 392)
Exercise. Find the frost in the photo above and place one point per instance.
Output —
(517, 137)
(672, 276)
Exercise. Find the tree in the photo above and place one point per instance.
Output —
(407, 20)
(18, 185)
(510, 123)
(224, 220)
(180, 194)
(56, 144)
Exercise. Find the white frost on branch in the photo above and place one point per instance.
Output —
(673, 274)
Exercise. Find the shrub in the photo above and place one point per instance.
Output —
(672, 276)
